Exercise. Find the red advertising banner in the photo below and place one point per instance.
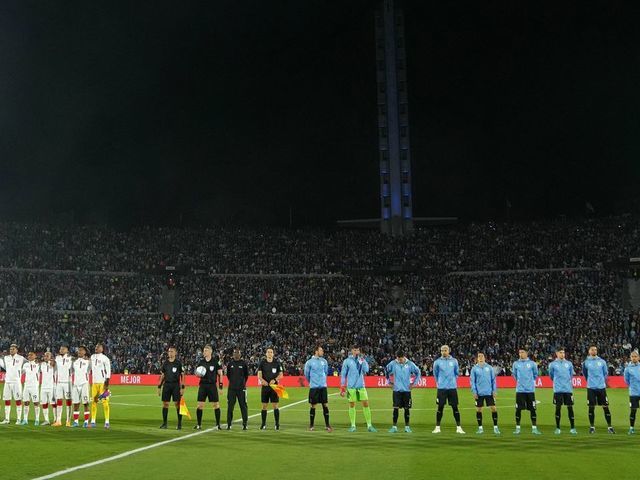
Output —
(370, 382)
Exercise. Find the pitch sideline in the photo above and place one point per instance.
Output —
(148, 447)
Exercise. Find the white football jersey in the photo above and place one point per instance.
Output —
(31, 371)
(81, 369)
(63, 368)
(47, 372)
(100, 367)
(12, 364)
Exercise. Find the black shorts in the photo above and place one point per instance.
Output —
(597, 396)
(487, 400)
(447, 395)
(171, 391)
(208, 392)
(525, 401)
(402, 400)
(563, 398)
(318, 395)
(269, 395)
(634, 402)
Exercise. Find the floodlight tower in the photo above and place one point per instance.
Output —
(396, 209)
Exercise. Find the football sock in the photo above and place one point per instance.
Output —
(395, 416)
(572, 421)
(352, 416)
(276, 416)
(217, 414)
(263, 416)
(325, 412)
(518, 416)
(199, 416)
(558, 415)
(479, 418)
(607, 415)
(456, 415)
(165, 414)
(494, 417)
(534, 417)
(312, 416)
(406, 416)
(367, 415)
(592, 415)
(632, 417)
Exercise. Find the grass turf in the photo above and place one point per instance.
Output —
(294, 452)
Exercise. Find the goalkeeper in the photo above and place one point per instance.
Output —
(354, 368)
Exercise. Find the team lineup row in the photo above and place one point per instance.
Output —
(65, 380)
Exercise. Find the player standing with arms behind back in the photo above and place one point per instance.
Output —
(269, 373)
(30, 392)
(446, 371)
(561, 373)
(63, 385)
(12, 365)
(316, 370)
(354, 368)
(595, 371)
(632, 378)
(483, 387)
(47, 385)
(100, 375)
(525, 371)
(80, 386)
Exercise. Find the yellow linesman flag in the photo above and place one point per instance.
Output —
(183, 409)
(280, 391)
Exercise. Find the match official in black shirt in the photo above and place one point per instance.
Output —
(238, 374)
(209, 384)
(171, 386)
(269, 373)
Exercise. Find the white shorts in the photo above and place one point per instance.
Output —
(80, 393)
(63, 392)
(12, 390)
(30, 393)
(46, 395)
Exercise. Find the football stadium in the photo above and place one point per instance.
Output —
(367, 239)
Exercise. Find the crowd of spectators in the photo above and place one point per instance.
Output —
(464, 247)
(494, 313)
(295, 288)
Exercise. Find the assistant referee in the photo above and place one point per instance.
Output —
(171, 386)
(269, 373)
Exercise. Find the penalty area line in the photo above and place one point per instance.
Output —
(147, 447)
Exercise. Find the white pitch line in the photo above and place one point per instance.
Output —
(147, 447)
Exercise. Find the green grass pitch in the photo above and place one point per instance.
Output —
(293, 452)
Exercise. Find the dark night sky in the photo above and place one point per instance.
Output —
(131, 112)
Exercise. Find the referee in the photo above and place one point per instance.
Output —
(238, 374)
(269, 373)
(171, 386)
(207, 389)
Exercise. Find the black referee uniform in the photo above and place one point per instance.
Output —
(171, 388)
(270, 372)
(208, 389)
(238, 374)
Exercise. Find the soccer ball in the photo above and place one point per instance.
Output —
(201, 371)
